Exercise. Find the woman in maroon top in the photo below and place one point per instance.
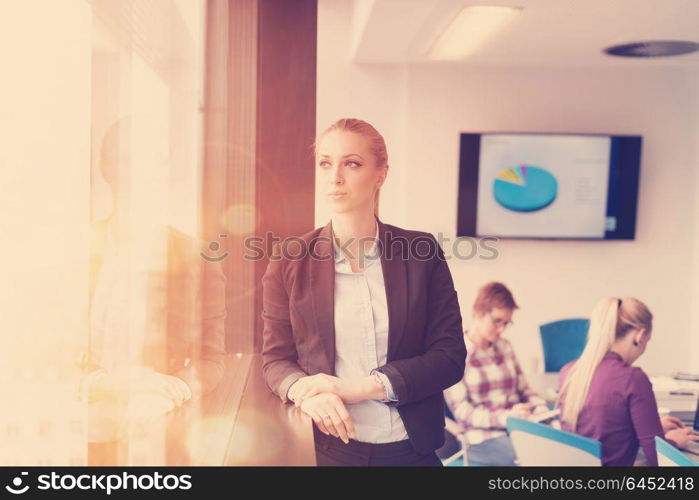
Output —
(603, 397)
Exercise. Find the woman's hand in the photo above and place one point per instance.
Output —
(682, 436)
(669, 423)
(350, 391)
(330, 415)
(104, 385)
(168, 386)
(307, 387)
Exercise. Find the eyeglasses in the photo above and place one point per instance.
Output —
(497, 322)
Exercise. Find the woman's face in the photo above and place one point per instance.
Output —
(346, 166)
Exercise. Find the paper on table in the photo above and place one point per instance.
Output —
(667, 383)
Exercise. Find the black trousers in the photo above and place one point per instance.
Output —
(332, 452)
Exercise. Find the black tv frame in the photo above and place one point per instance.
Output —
(629, 148)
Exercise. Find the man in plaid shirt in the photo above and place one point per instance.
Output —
(494, 386)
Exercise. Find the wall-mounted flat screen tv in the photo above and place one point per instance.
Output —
(550, 186)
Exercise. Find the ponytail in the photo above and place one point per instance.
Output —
(611, 319)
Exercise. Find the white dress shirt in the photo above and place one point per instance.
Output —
(361, 342)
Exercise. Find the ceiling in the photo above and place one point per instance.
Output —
(546, 33)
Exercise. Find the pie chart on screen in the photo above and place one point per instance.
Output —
(525, 188)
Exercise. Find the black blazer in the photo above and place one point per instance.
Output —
(426, 351)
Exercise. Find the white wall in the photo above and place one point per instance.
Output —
(421, 109)
(558, 279)
(374, 94)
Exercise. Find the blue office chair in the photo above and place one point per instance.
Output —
(563, 341)
(669, 456)
(540, 445)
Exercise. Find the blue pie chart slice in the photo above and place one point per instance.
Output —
(533, 191)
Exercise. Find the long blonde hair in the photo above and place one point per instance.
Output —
(612, 318)
(376, 140)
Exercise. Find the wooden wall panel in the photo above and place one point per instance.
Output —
(259, 127)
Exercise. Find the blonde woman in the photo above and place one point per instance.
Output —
(605, 398)
(362, 331)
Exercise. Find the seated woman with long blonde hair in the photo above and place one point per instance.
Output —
(603, 397)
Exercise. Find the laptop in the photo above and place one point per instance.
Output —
(691, 419)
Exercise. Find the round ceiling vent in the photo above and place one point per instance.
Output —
(654, 48)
